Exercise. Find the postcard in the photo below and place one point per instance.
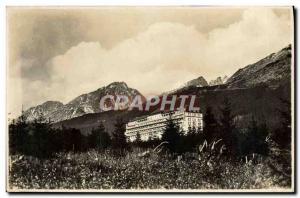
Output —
(150, 99)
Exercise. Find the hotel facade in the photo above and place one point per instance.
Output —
(153, 126)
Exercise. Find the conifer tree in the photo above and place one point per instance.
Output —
(138, 139)
(172, 135)
(119, 142)
(282, 135)
(210, 127)
(256, 135)
(227, 127)
(18, 135)
(99, 138)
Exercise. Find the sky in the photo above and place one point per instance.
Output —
(60, 53)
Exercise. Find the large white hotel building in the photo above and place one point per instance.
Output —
(153, 126)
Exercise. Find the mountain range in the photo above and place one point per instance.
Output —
(83, 104)
(271, 72)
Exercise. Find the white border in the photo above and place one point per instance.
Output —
(106, 3)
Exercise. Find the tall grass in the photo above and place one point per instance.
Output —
(95, 170)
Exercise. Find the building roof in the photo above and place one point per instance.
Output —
(158, 111)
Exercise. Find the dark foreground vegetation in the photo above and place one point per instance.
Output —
(222, 156)
(95, 170)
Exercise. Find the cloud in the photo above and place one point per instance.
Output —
(150, 62)
(259, 33)
(163, 57)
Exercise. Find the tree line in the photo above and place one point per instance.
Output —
(38, 138)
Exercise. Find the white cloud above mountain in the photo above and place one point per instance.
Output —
(163, 57)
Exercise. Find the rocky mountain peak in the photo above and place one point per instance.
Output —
(271, 71)
(117, 84)
(46, 108)
(83, 104)
(198, 82)
(218, 81)
(52, 103)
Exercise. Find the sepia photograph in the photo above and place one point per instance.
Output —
(150, 99)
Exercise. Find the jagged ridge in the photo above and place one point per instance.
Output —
(271, 71)
(83, 104)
